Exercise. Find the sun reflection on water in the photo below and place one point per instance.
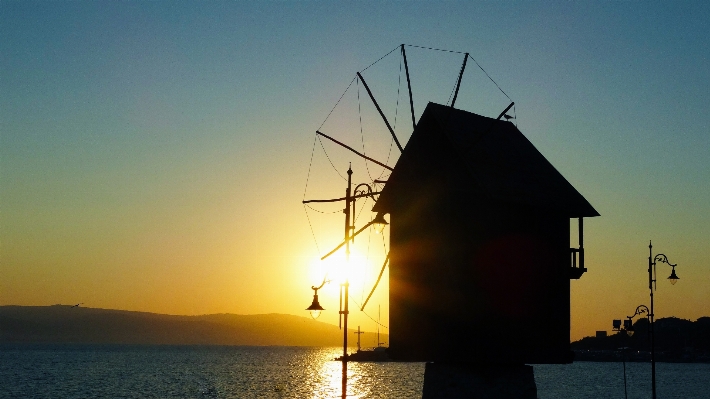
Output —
(329, 378)
(331, 374)
(364, 379)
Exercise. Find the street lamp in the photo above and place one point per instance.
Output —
(629, 328)
(628, 323)
(362, 190)
(673, 278)
(379, 223)
(315, 307)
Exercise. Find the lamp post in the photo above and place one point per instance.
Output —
(629, 329)
(628, 323)
(617, 327)
(362, 190)
(673, 278)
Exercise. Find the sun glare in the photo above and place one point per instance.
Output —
(338, 269)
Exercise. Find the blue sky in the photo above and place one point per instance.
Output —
(153, 154)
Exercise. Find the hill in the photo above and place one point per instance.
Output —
(66, 324)
(675, 340)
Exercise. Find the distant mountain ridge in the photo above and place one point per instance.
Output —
(67, 324)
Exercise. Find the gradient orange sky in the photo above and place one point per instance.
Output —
(154, 156)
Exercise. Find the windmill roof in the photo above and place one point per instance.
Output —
(499, 160)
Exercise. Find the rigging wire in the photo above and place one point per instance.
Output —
(396, 112)
(399, 86)
(312, 232)
(386, 161)
(336, 104)
(362, 136)
(379, 277)
(436, 49)
(357, 214)
(379, 59)
(365, 313)
(331, 162)
(308, 177)
(323, 212)
(489, 77)
(367, 261)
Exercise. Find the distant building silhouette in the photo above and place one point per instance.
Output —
(480, 259)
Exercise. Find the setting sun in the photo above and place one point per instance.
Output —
(357, 270)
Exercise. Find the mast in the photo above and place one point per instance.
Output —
(458, 82)
(358, 337)
(409, 86)
(378, 326)
(382, 114)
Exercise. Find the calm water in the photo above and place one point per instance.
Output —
(289, 372)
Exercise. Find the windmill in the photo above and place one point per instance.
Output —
(479, 230)
(371, 189)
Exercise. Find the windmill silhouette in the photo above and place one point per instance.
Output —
(390, 128)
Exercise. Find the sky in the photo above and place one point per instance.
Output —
(154, 155)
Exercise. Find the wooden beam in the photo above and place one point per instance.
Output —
(458, 82)
(353, 150)
(409, 86)
(343, 198)
(345, 242)
(387, 258)
(505, 110)
(382, 114)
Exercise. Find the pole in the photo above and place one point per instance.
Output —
(651, 280)
(346, 284)
(581, 243)
(378, 326)
(358, 337)
(623, 358)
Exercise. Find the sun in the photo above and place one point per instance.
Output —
(338, 269)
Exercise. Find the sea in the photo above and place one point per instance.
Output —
(122, 371)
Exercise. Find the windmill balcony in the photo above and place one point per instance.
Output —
(577, 267)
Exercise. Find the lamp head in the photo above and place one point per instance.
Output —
(380, 223)
(315, 307)
(673, 278)
(629, 327)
